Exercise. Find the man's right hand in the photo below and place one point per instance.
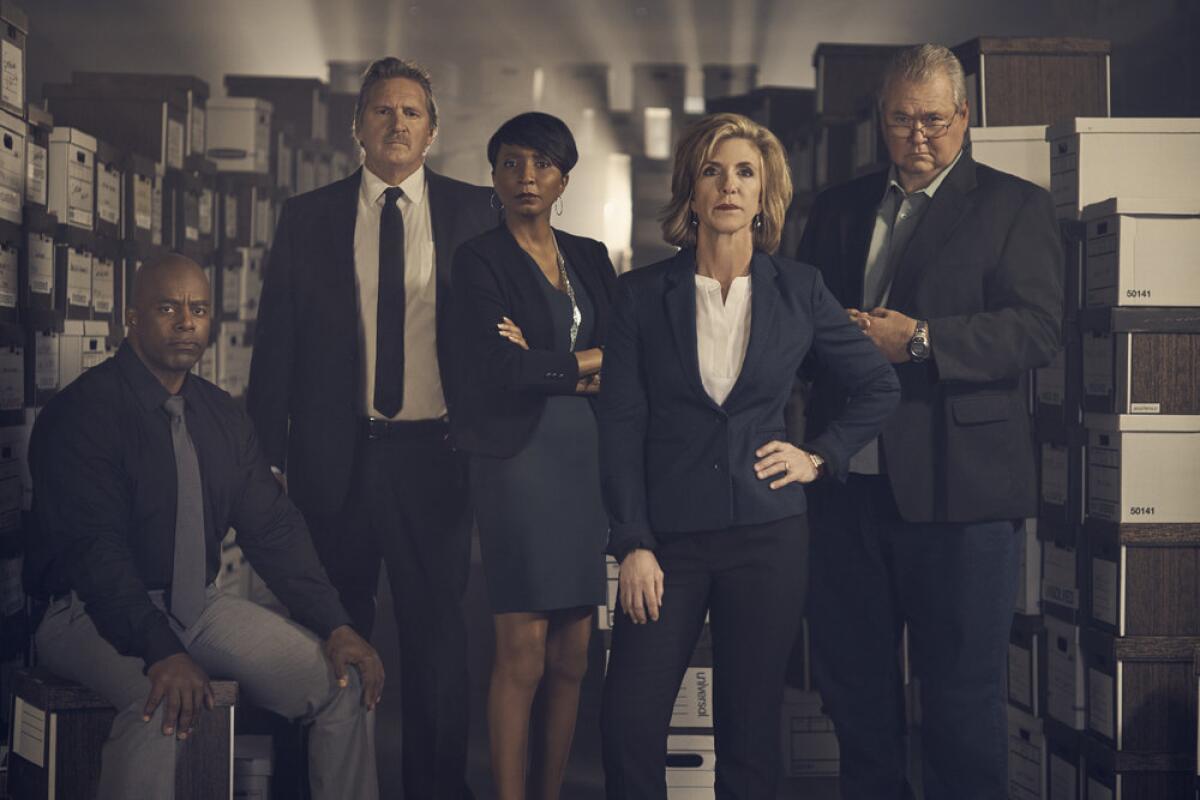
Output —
(640, 585)
(182, 685)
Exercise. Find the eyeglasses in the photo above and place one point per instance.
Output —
(932, 126)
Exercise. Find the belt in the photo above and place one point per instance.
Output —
(376, 428)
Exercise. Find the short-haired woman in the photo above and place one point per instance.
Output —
(703, 491)
(531, 313)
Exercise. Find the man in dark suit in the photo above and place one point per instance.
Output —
(349, 390)
(956, 268)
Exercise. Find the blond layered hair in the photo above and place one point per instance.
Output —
(696, 147)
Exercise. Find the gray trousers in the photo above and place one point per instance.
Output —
(278, 665)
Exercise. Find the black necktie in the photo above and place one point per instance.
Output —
(189, 575)
(389, 313)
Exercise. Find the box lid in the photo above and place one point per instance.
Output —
(95, 327)
(1143, 423)
(74, 136)
(14, 14)
(1143, 206)
(1009, 133)
(252, 755)
(238, 104)
(1122, 125)
(13, 123)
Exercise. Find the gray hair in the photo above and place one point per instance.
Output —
(390, 67)
(921, 64)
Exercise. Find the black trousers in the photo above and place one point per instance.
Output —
(955, 587)
(408, 506)
(751, 581)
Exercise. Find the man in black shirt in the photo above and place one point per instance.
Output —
(135, 463)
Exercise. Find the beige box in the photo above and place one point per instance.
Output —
(1064, 673)
(250, 282)
(694, 703)
(1095, 158)
(1143, 468)
(1026, 756)
(72, 177)
(810, 747)
(1019, 150)
(13, 133)
(691, 761)
(1143, 252)
(1060, 575)
(233, 358)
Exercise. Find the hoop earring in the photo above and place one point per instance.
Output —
(494, 202)
(758, 221)
(558, 206)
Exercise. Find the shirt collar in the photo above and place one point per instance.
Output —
(146, 388)
(929, 190)
(374, 186)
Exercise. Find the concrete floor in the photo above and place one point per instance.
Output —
(585, 778)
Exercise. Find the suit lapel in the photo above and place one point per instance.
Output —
(680, 302)
(859, 228)
(946, 209)
(442, 218)
(764, 304)
(539, 329)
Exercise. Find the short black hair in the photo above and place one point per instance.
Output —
(543, 133)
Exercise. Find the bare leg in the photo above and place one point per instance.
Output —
(516, 672)
(566, 664)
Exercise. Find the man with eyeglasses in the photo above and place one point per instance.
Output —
(953, 269)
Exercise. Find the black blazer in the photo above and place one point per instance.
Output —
(673, 460)
(504, 388)
(305, 392)
(984, 268)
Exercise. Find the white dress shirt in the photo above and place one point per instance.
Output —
(722, 333)
(423, 398)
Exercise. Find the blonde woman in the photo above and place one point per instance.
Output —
(704, 494)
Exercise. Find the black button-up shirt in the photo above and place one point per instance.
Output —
(104, 505)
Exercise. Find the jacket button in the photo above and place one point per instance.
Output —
(717, 467)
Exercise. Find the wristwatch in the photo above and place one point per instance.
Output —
(817, 461)
(918, 345)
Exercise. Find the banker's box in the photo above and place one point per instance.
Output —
(1144, 252)
(239, 134)
(810, 747)
(13, 133)
(691, 765)
(81, 346)
(233, 358)
(1095, 158)
(1064, 673)
(1026, 663)
(1143, 468)
(1026, 756)
(1151, 367)
(1030, 588)
(1062, 584)
(72, 177)
(1019, 150)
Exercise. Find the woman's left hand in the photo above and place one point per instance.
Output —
(509, 330)
(785, 462)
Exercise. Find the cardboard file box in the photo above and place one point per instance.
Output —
(227, 215)
(283, 159)
(14, 31)
(12, 241)
(869, 150)
(606, 612)
(1144, 252)
(37, 262)
(140, 174)
(186, 91)
(1063, 582)
(148, 122)
(1065, 699)
(1143, 468)
(239, 137)
(1029, 590)
(1141, 360)
(848, 75)
(1095, 158)
(73, 254)
(106, 281)
(1064, 762)
(82, 345)
(227, 284)
(323, 167)
(110, 181)
(253, 763)
(13, 133)
(1057, 406)
(306, 166)
(12, 385)
(60, 727)
(691, 761)
(1145, 579)
(834, 161)
(1026, 756)
(1027, 663)
(1112, 775)
(1060, 502)
(72, 188)
(233, 358)
(1019, 150)
(250, 281)
(810, 747)
(1140, 697)
(300, 103)
(694, 701)
(37, 156)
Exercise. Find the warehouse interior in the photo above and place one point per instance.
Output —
(626, 76)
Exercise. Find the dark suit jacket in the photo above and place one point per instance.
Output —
(502, 387)
(984, 268)
(673, 460)
(305, 393)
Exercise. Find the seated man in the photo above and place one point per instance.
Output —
(139, 469)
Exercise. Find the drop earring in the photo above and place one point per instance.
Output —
(494, 202)
(558, 206)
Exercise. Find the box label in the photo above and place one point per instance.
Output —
(8, 277)
(1058, 576)
(156, 212)
(79, 277)
(103, 286)
(143, 203)
(1055, 459)
(1052, 381)
(206, 212)
(1064, 676)
(1020, 676)
(80, 187)
(693, 703)
(12, 381)
(29, 732)
(12, 174)
(1105, 591)
(1097, 365)
(1144, 408)
(198, 130)
(41, 263)
(231, 219)
(1100, 704)
(35, 173)
(45, 365)
(12, 70)
(108, 194)
(174, 154)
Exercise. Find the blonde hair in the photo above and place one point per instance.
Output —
(696, 146)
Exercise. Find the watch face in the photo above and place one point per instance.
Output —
(918, 349)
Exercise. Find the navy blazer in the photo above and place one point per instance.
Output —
(672, 460)
(502, 388)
